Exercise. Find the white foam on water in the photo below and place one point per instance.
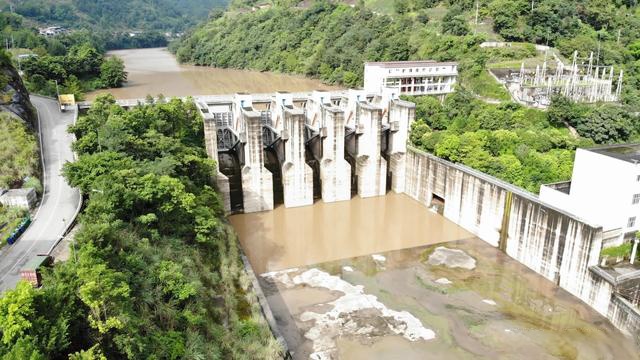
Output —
(380, 258)
(339, 321)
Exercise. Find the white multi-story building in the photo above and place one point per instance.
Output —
(425, 77)
(604, 190)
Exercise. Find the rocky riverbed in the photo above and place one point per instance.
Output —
(459, 300)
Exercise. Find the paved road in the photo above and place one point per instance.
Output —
(60, 201)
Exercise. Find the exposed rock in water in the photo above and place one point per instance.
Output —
(354, 314)
(452, 258)
(14, 97)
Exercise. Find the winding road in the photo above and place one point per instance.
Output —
(60, 202)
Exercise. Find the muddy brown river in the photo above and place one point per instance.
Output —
(285, 238)
(156, 71)
(360, 279)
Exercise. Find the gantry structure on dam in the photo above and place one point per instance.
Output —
(294, 148)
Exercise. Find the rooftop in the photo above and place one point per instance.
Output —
(36, 262)
(396, 64)
(625, 152)
(18, 192)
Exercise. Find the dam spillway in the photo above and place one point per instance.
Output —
(293, 129)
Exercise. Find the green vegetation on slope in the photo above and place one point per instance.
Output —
(525, 147)
(19, 156)
(112, 22)
(331, 40)
(157, 273)
(82, 68)
(76, 61)
(121, 15)
(327, 40)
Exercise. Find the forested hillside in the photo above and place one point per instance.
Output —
(117, 24)
(156, 272)
(71, 63)
(332, 40)
(121, 15)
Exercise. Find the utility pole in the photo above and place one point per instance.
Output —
(476, 30)
(618, 41)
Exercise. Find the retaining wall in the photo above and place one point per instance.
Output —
(553, 243)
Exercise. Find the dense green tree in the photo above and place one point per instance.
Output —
(606, 124)
(157, 271)
(454, 22)
(112, 73)
(16, 310)
(505, 15)
(83, 60)
(18, 151)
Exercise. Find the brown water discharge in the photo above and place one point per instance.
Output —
(286, 238)
(156, 71)
(497, 309)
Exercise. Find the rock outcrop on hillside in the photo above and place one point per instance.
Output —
(14, 97)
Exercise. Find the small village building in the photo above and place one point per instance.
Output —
(25, 198)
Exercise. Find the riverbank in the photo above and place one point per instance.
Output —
(156, 71)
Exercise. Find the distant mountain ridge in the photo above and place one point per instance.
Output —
(159, 15)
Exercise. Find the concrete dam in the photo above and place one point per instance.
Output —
(292, 149)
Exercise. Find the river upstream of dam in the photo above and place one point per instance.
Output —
(385, 277)
(156, 71)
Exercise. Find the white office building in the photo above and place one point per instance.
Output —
(604, 190)
(425, 77)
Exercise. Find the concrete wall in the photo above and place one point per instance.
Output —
(335, 171)
(401, 115)
(297, 176)
(257, 181)
(625, 316)
(471, 202)
(555, 244)
(211, 144)
(24, 198)
(371, 167)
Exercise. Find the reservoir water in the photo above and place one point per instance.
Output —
(156, 71)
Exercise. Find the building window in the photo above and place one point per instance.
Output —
(631, 222)
(638, 178)
(636, 199)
